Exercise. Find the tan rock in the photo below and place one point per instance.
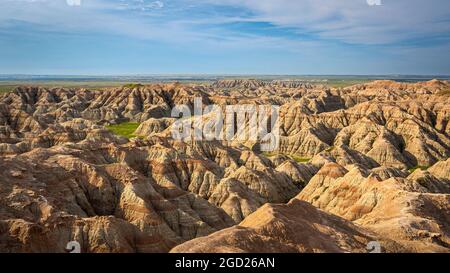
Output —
(283, 228)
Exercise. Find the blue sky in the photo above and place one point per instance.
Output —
(111, 37)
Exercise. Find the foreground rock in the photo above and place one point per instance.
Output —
(414, 212)
(294, 227)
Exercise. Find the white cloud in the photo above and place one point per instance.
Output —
(354, 20)
(349, 21)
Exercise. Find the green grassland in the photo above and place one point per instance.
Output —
(125, 129)
(6, 88)
(9, 85)
(133, 85)
(344, 83)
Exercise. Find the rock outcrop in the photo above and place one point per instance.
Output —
(294, 227)
(413, 211)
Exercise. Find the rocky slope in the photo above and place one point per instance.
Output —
(95, 195)
(294, 227)
(413, 211)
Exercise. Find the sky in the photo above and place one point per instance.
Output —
(276, 37)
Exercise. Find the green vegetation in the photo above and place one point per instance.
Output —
(125, 129)
(423, 168)
(4, 85)
(294, 157)
(6, 88)
(300, 159)
(270, 154)
(344, 83)
(133, 85)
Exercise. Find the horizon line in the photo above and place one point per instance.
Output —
(216, 74)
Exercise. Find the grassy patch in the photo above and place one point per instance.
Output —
(125, 129)
(294, 157)
(64, 84)
(6, 88)
(133, 85)
(423, 168)
(270, 154)
(300, 159)
(344, 83)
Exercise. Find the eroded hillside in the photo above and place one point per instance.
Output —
(364, 163)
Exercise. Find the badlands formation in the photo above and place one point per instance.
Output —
(359, 164)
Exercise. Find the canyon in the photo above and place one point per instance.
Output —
(358, 164)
